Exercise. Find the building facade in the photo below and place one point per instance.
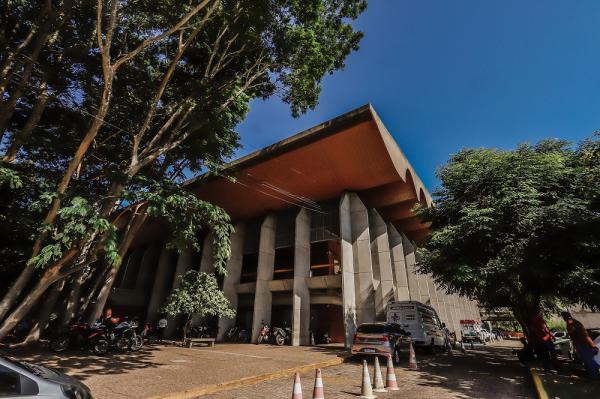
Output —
(325, 237)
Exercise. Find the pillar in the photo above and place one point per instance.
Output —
(206, 258)
(184, 264)
(431, 291)
(450, 323)
(301, 293)
(150, 258)
(363, 268)
(162, 282)
(234, 272)
(401, 292)
(347, 260)
(455, 313)
(264, 274)
(383, 278)
(411, 273)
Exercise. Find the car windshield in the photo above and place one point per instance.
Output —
(32, 368)
(371, 329)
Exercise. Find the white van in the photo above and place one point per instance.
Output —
(420, 320)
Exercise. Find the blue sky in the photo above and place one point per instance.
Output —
(444, 75)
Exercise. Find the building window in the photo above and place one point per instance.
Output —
(325, 258)
(325, 225)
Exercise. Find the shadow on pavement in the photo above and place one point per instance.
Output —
(84, 364)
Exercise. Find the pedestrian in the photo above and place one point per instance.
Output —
(543, 343)
(583, 345)
(161, 327)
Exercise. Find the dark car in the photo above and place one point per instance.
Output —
(379, 339)
(27, 380)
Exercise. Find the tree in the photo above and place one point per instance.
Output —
(135, 94)
(198, 293)
(518, 228)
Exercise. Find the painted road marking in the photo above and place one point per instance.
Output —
(232, 353)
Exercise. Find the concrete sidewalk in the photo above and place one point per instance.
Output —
(164, 370)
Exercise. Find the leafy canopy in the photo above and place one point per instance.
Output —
(518, 228)
(198, 293)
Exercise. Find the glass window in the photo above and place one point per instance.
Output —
(15, 384)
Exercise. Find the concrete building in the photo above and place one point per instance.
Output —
(324, 236)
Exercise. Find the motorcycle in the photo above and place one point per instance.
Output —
(236, 334)
(282, 335)
(122, 337)
(202, 332)
(264, 334)
(76, 336)
(149, 334)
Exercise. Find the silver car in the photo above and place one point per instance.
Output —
(26, 380)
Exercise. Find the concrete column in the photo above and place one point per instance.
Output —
(132, 266)
(383, 277)
(264, 274)
(206, 258)
(234, 272)
(363, 268)
(431, 290)
(411, 273)
(149, 260)
(348, 270)
(301, 299)
(163, 280)
(401, 292)
(449, 314)
(184, 264)
(455, 313)
(206, 266)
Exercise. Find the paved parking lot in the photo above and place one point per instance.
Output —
(163, 369)
(487, 372)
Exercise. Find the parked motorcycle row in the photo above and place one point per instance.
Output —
(120, 336)
(278, 335)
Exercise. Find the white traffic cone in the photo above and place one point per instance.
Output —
(297, 390)
(366, 390)
(377, 378)
(412, 358)
(390, 376)
(318, 392)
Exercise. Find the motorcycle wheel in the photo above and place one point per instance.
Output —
(122, 344)
(100, 347)
(260, 339)
(279, 339)
(136, 343)
(59, 344)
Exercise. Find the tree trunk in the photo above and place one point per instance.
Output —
(44, 314)
(72, 305)
(51, 275)
(23, 136)
(137, 220)
(101, 274)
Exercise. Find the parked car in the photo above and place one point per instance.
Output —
(380, 339)
(27, 380)
(420, 320)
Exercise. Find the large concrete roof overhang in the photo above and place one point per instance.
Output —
(353, 152)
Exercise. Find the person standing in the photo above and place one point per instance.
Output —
(583, 345)
(161, 327)
(543, 343)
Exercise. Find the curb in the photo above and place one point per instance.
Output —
(227, 385)
(537, 383)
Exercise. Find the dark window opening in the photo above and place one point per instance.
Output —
(325, 259)
(284, 263)
(249, 268)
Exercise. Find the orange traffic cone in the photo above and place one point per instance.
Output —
(390, 376)
(318, 390)
(412, 358)
(366, 390)
(377, 379)
(297, 390)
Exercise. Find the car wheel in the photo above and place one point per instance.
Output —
(60, 344)
(100, 347)
(279, 339)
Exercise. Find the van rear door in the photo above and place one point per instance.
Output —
(407, 317)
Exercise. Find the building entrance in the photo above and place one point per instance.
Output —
(327, 323)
